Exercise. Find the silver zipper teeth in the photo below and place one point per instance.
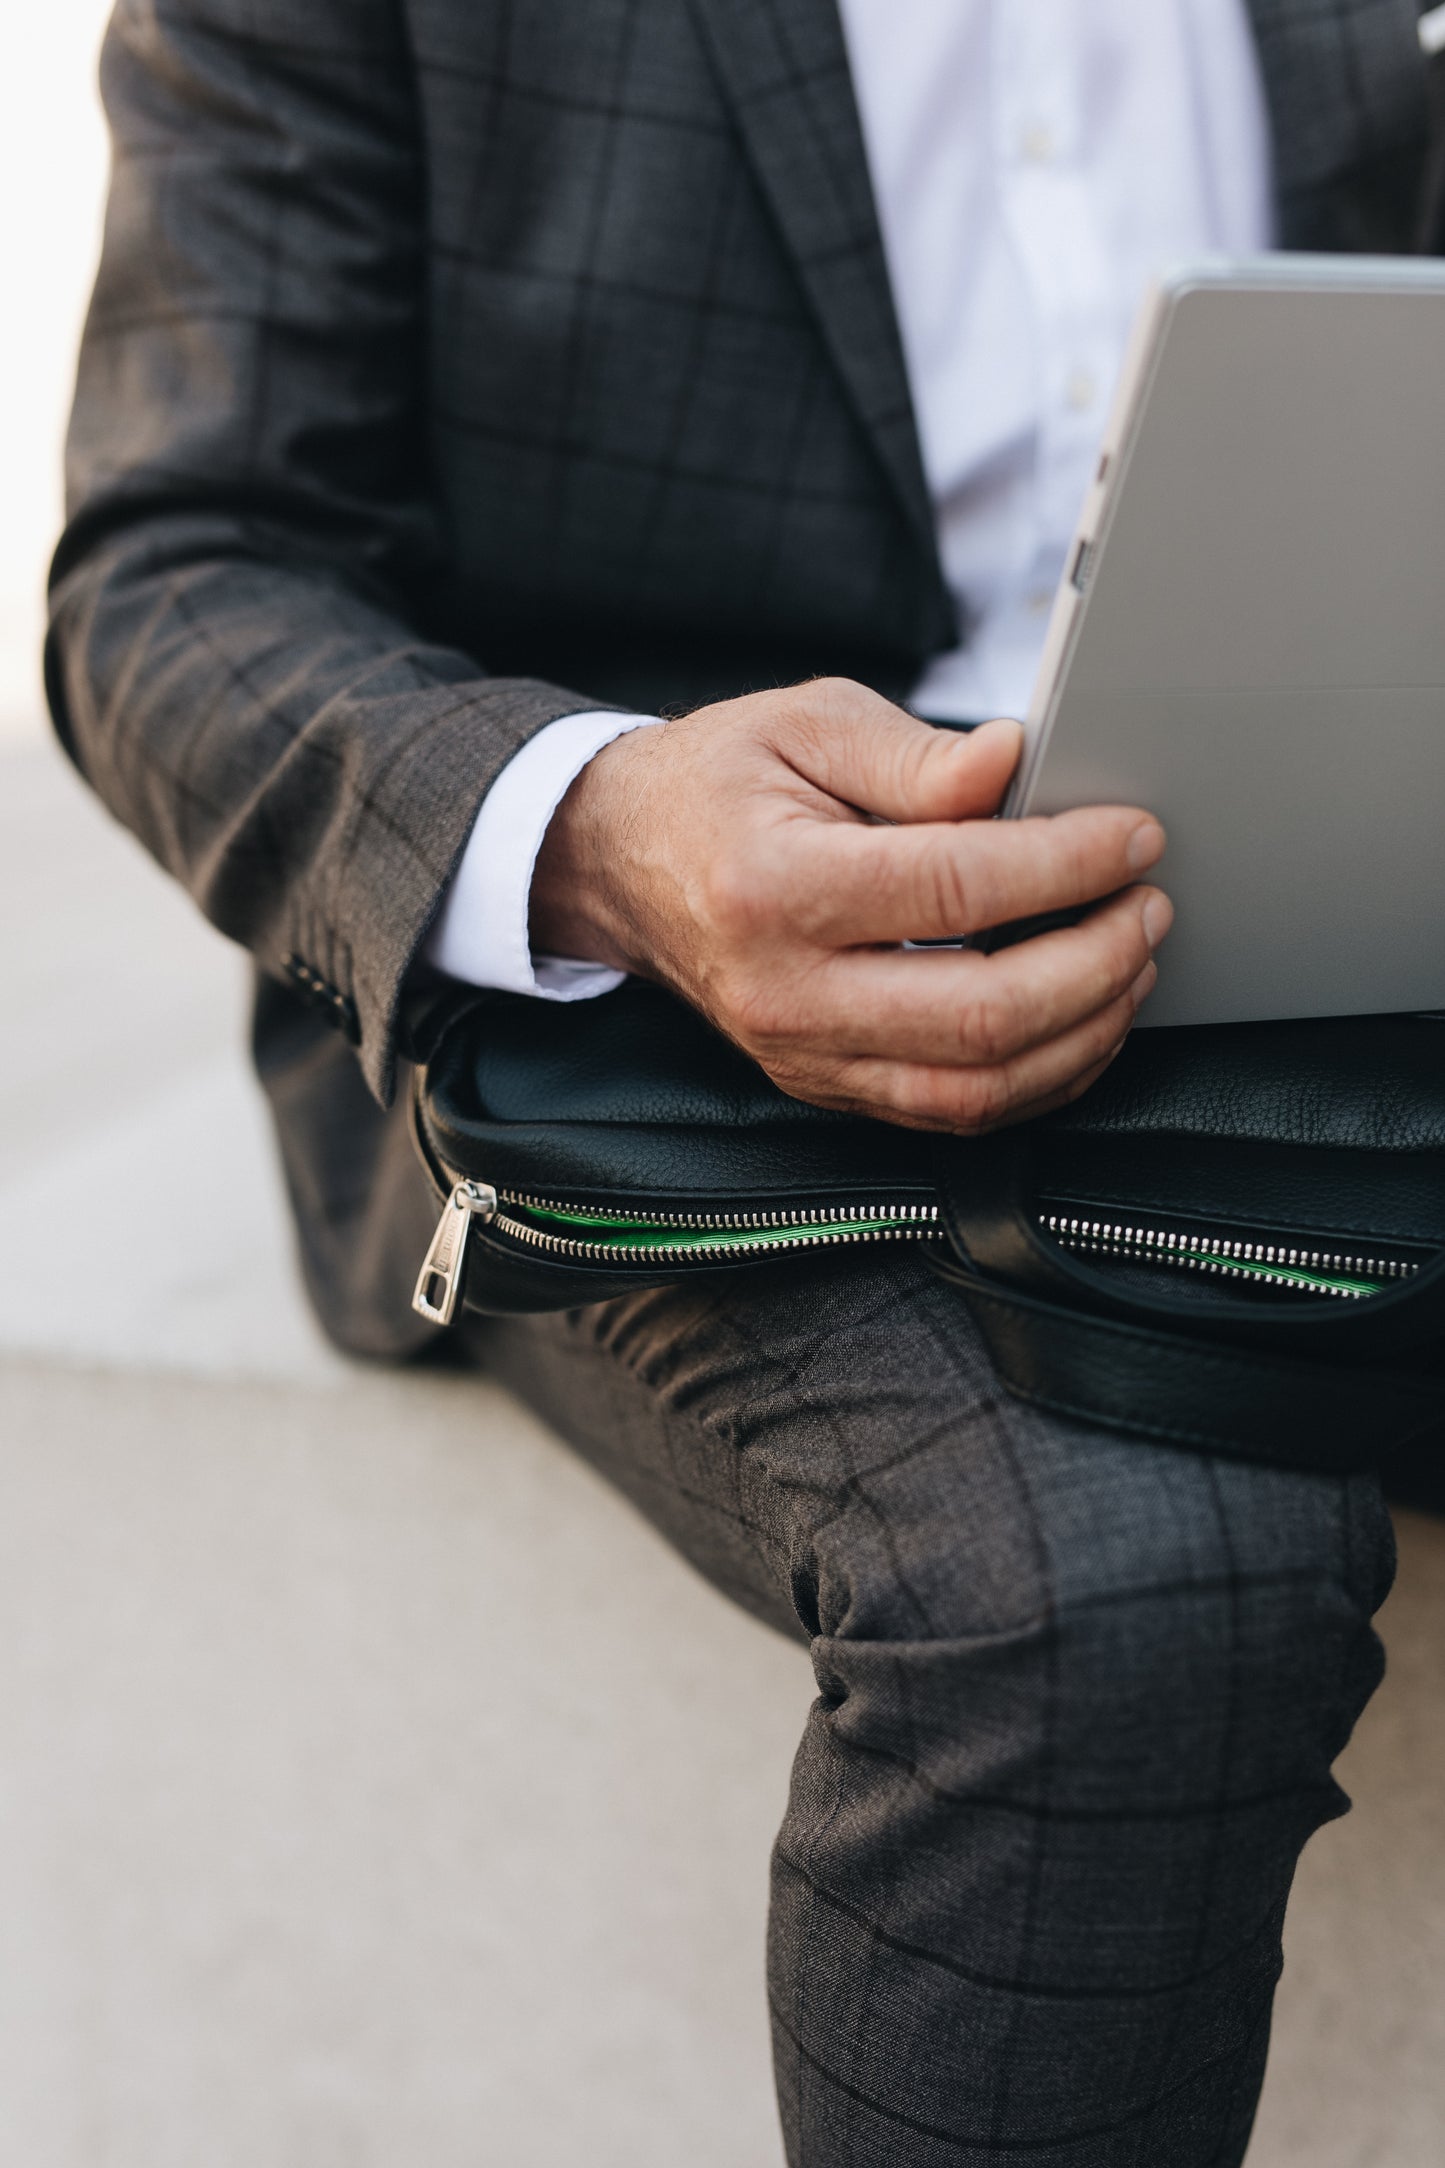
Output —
(1269, 1263)
(795, 1230)
(819, 1217)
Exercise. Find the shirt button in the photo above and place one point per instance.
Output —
(1081, 390)
(1038, 143)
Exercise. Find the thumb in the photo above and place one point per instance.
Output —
(860, 748)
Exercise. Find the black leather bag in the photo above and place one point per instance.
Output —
(1234, 1242)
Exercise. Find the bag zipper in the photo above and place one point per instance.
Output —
(1299, 1267)
(594, 1235)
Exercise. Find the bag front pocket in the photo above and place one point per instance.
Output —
(1345, 1267)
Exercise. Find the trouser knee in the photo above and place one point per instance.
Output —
(1151, 1689)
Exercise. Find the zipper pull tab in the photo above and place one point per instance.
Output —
(439, 1283)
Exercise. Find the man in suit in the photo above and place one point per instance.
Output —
(465, 386)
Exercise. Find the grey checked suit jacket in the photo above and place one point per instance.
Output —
(454, 364)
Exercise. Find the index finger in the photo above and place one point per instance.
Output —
(940, 881)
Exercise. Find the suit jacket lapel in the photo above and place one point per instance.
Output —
(1345, 85)
(783, 66)
(1346, 89)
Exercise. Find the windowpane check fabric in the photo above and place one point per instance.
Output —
(1077, 1705)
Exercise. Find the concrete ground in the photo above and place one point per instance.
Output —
(374, 1789)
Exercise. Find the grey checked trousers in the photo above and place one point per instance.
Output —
(1078, 1701)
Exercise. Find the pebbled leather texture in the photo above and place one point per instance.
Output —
(1368, 1083)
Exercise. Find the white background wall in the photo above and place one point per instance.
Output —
(52, 176)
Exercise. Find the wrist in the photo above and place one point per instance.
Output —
(577, 905)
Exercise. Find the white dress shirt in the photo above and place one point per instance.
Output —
(1034, 163)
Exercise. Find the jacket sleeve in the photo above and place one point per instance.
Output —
(236, 660)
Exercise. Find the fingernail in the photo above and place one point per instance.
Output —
(1144, 985)
(1158, 918)
(1146, 846)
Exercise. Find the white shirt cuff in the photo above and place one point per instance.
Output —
(481, 933)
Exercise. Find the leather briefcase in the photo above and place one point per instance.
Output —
(1235, 1242)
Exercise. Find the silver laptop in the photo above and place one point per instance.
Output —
(1250, 635)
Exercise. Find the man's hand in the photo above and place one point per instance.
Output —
(765, 858)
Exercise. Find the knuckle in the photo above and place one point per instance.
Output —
(820, 712)
(984, 1098)
(951, 895)
(965, 1102)
(990, 1031)
(734, 894)
(820, 703)
(910, 1095)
